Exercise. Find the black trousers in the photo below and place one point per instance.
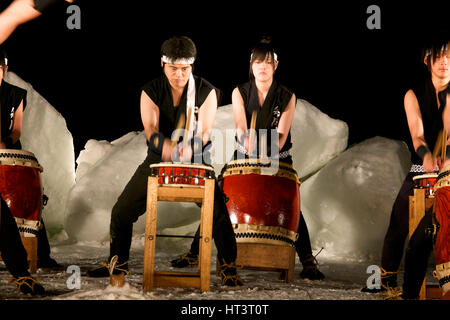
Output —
(397, 233)
(417, 254)
(132, 203)
(12, 250)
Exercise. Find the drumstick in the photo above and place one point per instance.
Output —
(438, 146)
(186, 132)
(252, 128)
(444, 145)
(176, 134)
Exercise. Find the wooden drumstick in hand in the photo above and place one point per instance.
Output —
(177, 133)
(252, 131)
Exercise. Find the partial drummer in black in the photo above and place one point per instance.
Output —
(275, 107)
(22, 11)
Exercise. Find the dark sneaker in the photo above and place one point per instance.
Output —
(187, 260)
(103, 270)
(28, 285)
(310, 270)
(228, 273)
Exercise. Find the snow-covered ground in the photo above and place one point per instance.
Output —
(344, 278)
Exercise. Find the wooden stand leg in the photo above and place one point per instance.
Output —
(30, 244)
(206, 236)
(150, 234)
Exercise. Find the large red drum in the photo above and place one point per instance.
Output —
(441, 212)
(169, 173)
(21, 188)
(263, 201)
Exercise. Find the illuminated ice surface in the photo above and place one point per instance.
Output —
(346, 202)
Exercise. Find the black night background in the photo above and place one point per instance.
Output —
(327, 54)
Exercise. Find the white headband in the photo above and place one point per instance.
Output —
(275, 56)
(178, 61)
(6, 61)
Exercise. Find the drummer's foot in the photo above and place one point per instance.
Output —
(102, 271)
(187, 260)
(29, 285)
(388, 281)
(310, 270)
(229, 276)
(48, 263)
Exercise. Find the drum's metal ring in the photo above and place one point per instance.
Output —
(19, 157)
(443, 180)
(255, 166)
(264, 234)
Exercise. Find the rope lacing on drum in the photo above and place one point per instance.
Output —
(20, 281)
(264, 236)
(17, 155)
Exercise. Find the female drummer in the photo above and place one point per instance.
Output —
(13, 101)
(274, 105)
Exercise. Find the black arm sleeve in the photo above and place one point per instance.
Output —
(41, 5)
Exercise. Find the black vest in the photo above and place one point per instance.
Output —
(160, 92)
(269, 114)
(10, 99)
(431, 115)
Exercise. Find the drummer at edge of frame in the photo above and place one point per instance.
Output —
(21, 11)
(426, 113)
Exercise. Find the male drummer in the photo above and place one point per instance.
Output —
(163, 103)
(424, 105)
(19, 12)
(421, 243)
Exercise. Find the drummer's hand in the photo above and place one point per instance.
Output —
(249, 146)
(429, 164)
(186, 153)
(166, 154)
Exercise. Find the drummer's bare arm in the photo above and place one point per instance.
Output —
(206, 116)
(240, 120)
(150, 120)
(446, 120)
(416, 130)
(18, 12)
(286, 121)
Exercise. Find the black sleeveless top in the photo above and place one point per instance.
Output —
(431, 115)
(41, 5)
(269, 114)
(10, 98)
(160, 92)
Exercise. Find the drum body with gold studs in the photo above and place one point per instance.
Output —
(263, 201)
(21, 188)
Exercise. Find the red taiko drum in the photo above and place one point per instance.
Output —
(177, 173)
(441, 214)
(263, 201)
(21, 188)
(427, 182)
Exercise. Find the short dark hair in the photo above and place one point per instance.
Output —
(433, 50)
(261, 51)
(179, 47)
